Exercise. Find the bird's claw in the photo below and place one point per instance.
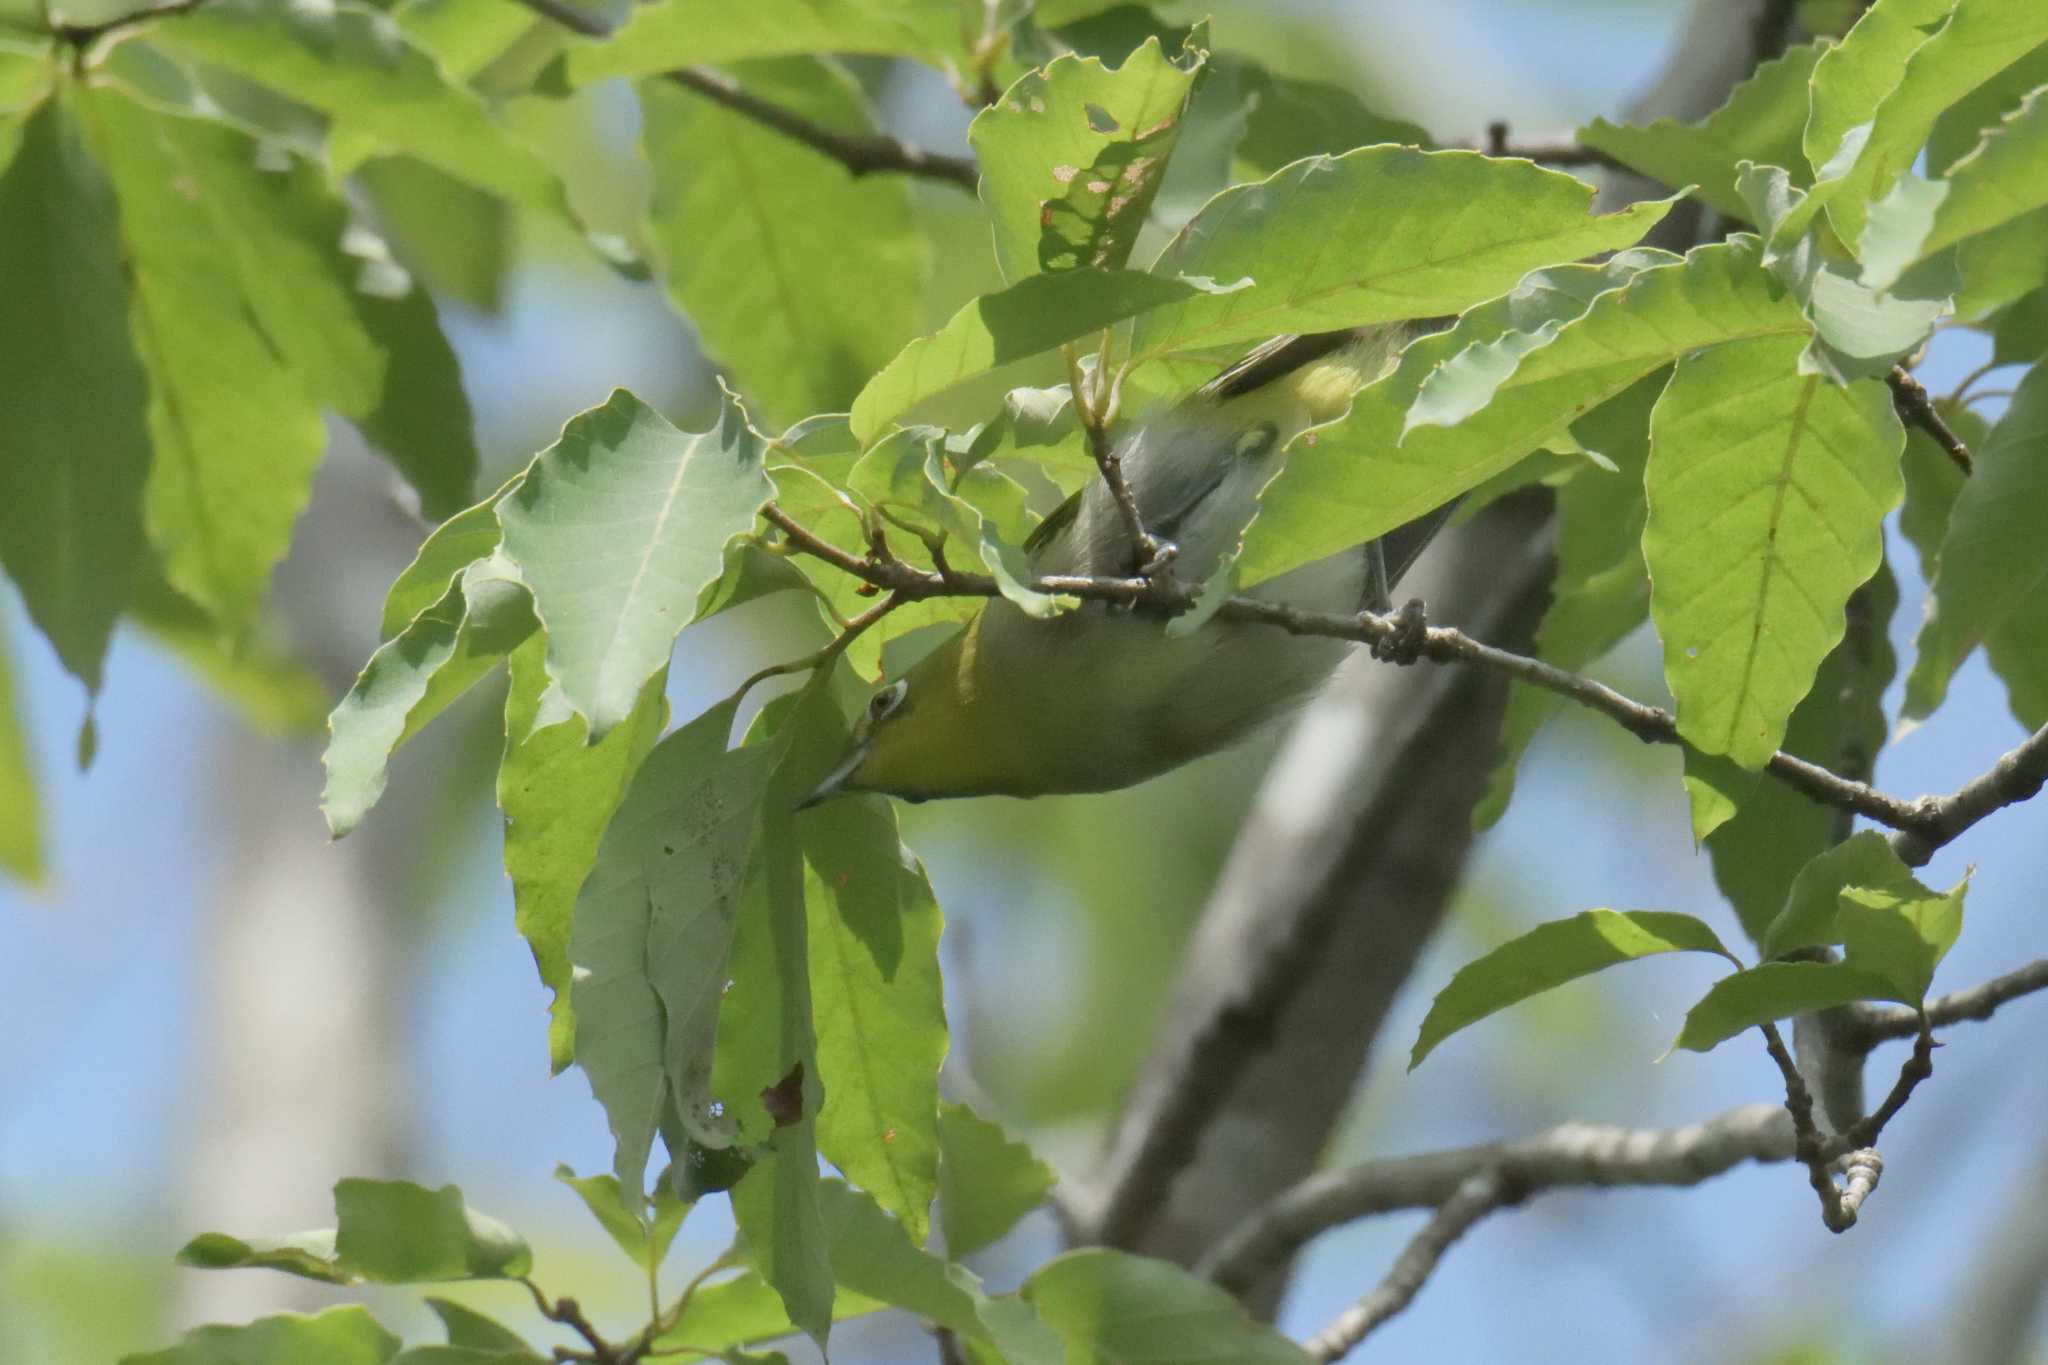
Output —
(1404, 644)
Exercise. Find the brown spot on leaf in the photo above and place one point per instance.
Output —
(784, 1100)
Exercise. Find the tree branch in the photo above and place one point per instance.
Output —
(1922, 825)
(860, 154)
(1874, 1024)
(1569, 1156)
(1480, 1194)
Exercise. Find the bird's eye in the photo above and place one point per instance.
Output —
(885, 701)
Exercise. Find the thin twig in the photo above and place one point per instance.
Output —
(833, 649)
(1922, 825)
(1096, 409)
(860, 154)
(1874, 1024)
(84, 35)
(1570, 1156)
(569, 1313)
(1807, 1145)
(1481, 1194)
(1918, 1067)
(1916, 407)
(1549, 151)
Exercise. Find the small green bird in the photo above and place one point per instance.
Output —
(1102, 697)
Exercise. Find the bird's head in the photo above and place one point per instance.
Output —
(916, 737)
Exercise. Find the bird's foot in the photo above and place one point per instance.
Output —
(1403, 645)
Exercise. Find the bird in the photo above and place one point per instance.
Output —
(1103, 697)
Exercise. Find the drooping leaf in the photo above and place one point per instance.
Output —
(558, 793)
(1776, 990)
(880, 1013)
(236, 434)
(1446, 229)
(618, 528)
(1110, 1307)
(1774, 831)
(21, 822)
(1073, 154)
(755, 231)
(346, 1335)
(416, 675)
(1994, 553)
(1362, 477)
(1761, 120)
(1768, 490)
(470, 535)
(653, 923)
(987, 1181)
(382, 94)
(74, 448)
(1602, 591)
(641, 1227)
(309, 1255)
(1034, 315)
(1551, 955)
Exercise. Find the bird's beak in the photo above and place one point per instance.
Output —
(835, 781)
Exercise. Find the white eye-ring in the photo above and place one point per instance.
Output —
(885, 701)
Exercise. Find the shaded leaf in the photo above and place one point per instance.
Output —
(396, 1232)
(744, 1310)
(468, 1328)
(754, 231)
(346, 1335)
(1551, 955)
(1776, 990)
(1286, 119)
(1034, 315)
(644, 1229)
(1999, 182)
(1767, 491)
(1111, 1307)
(74, 449)
(309, 1255)
(1809, 916)
(21, 821)
(1901, 933)
(618, 528)
(1994, 553)
(1447, 230)
(987, 1180)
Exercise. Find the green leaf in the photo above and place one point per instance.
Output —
(872, 1255)
(1854, 75)
(653, 924)
(1901, 933)
(1286, 119)
(873, 928)
(644, 1234)
(987, 1181)
(1073, 154)
(1776, 990)
(1978, 42)
(1761, 121)
(415, 676)
(335, 1336)
(1110, 1307)
(1551, 955)
(1033, 315)
(664, 35)
(468, 1328)
(754, 230)
(766, 1057)
(396, 1232)
(1809, 916)
(1362, 477)
(1994, 554)
(1768, 491)
(309, 1255)
(2002, 265)
(270, 684)
(236, 434)
(1774, 831)
(2001, 181)
(558, 793)
(1933, 480)
(1601, 592)
(2018, 653)
(1447, 229)
(460, 240)
(74, 451)
(382, 94)
(1963, 125)
(27, 67)
(618, 528)
(462, 540)
(744, 1310)
(21, 821)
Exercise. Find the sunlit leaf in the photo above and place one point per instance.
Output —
(1073, 155)
(1853, 76)
(671, 33)
(1776, 990)
(618, 528)
(1375, 235)
(396, 1232)
(1768, 490)
(642, 1228)
(987, 1181)
(1761, 121)
(1551, 955)
(1999, 182)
